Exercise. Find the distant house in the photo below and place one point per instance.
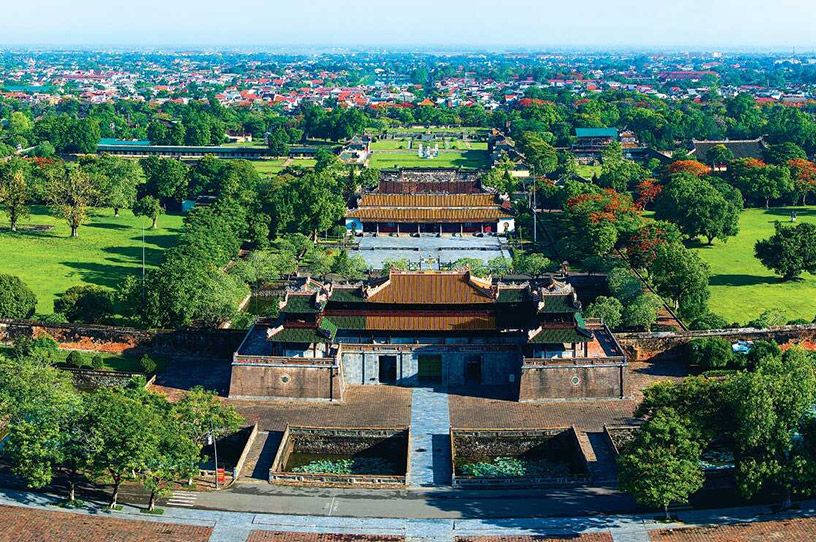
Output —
(590, 142)
(740, 148)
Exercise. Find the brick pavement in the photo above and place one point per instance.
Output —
(32, 525)
(799, 529)
(364, 406)
(272, 536)
(480, 412)
(586, 537)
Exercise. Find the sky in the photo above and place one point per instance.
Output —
(686, 24)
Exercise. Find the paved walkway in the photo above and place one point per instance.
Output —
(430, 439)
(236, 526)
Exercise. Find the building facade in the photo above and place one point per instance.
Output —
(431, 328)
(430, 201)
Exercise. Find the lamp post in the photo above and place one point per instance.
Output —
(215, 453)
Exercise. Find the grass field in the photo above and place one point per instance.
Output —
(741, 288)
(275, 166)
(588, 172)
(465, 159)
(106, 250)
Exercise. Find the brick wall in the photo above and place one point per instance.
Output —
(208, 342)
(564, 381)
(267, 381)
(668, 345)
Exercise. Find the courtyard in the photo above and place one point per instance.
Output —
(429, 249)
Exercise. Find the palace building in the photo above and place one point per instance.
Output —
(429, 328)
(430, 201)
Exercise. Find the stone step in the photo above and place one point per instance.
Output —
(260, 457)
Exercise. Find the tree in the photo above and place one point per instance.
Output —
(783, 153)
(642, 311)
(46, 423)
(719, 155)
(14, 197)
(16, 298)
(682, 276)
(123, 435)
(120, 177)
(532, 264)
(696, 207)
(803, 173)
(174, 458)
(540, 154)
(317, 202)
(767, 407)
(789, 251)
(201, 413)
(165, 178)
(609, 309)
(349, 267)
(148, 207)
(89, 304)
(711, 353)
(641, 247)
(662, 465)
(71, 192)
(75, 359)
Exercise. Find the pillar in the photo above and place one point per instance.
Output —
(397, 228)
(482, 226)
(378, 228)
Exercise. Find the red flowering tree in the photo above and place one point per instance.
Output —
(641, 247)
(803, 173)
(647, 190)
(692, 167)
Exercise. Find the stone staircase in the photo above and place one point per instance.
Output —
(599, 455)
(261, 455)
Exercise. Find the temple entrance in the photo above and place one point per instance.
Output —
(388, 369)
(473, 370)
(430, 369)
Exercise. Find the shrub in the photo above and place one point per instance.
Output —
(711, 353)
(762, 350)
(54, 318)
(148, 365)
(768, 318)
(75, 359)
(42, 348)
(16, 299)
(90, 304)
(607, 308)
(97, 362)
(709, 320)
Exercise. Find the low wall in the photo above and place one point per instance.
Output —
(668, 345)
(239, 467)
(482, 443)
(556, 381)
(318, 382)
(191, 341)
(93, 379)
(338, 441)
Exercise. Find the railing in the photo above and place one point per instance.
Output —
(545, 362)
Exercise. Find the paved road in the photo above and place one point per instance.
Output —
(430, 504)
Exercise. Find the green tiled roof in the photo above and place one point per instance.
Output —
(301, 304)
(558, 336)
(347, 295)
(513, 295)
(558, 303)
(328, 327)
(348, 322)
(300, 335)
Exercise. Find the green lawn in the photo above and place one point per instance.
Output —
(741, 287)
(268, 167)
(106, 250)
(587, 172)
(466, 159)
